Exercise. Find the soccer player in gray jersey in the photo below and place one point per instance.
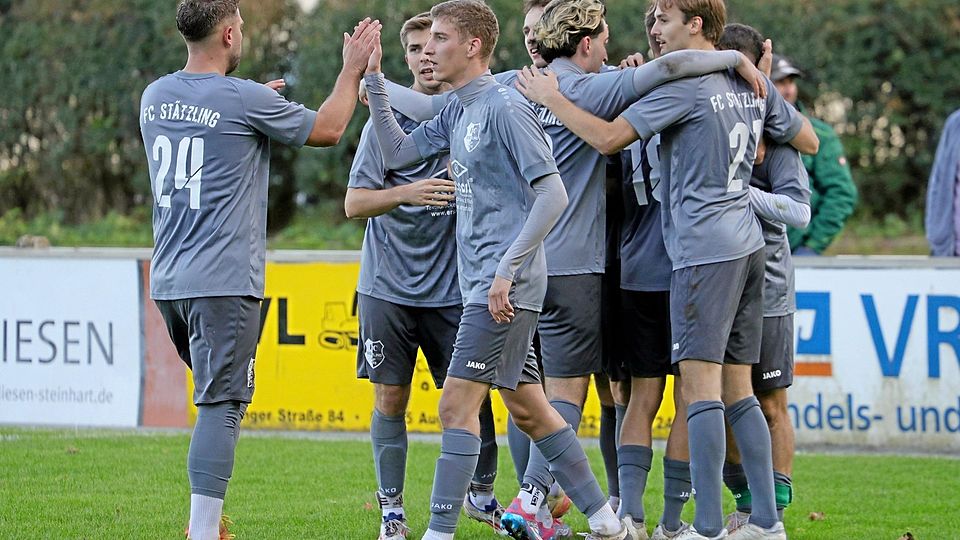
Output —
(207, 139)
(509, 195)
(714, 243)
(409, 297)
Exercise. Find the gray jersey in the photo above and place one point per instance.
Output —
(644, 263)
(709, 129)
(207, 139)
(409, 254)
(781, 172)
(497, 148)
(577, 243)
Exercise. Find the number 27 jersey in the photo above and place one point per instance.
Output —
(207, 139)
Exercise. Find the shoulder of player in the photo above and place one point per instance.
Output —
(503, 99)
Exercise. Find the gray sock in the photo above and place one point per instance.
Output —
(459, 451)
(389, 437)
(569, 465)
(486, 471)
(753, 439)
(736, 481)
(708, 446)
(519, 448)
(634, 466)
(676, 491)
(608, 448)
(621, 411)
(538, 467)
(212, 447)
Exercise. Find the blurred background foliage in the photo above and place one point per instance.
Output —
(882, 72)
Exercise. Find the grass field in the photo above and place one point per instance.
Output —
(84, 484)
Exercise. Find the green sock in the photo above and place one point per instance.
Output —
(783, 486)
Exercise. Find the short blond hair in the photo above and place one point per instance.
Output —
(565, 23)
(473, 19)
(421, 21)
(713, 13)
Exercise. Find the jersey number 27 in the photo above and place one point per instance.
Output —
(189, 148)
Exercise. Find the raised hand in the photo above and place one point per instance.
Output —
(634, 60)
(358, 47)
(276, 84)
(766, 59)
(752, 75)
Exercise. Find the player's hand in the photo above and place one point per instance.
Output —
(634, 60)
(362, 93)
(276, 84)
(358, 47)
(752, 75)
(766, 58)
(499, 300)
(537, 86)
(373, 62)
(429, 192)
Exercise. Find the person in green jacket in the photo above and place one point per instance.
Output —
(833, 193)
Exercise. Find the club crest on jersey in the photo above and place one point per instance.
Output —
(472, 139)
(373, 353)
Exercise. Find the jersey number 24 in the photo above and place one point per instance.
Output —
(189, 148)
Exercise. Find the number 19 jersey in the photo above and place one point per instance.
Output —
(207, 140)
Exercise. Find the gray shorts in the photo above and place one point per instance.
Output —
(716, 311)
(500, 355)
(390, 335)
(775, 369)
(570, 326)
(217, 338)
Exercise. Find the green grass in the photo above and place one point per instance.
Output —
(127, 484)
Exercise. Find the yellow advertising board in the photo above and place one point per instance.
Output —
(307, 360)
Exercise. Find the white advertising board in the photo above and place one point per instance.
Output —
(71, 342)
(877, 358)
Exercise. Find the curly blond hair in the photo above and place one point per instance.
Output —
(565, 23)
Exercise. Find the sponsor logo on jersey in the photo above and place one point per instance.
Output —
(771, 374)
(457, 168)
(472, 139)
(373, 353)
(476, 365)
(250, 372)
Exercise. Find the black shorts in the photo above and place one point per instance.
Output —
(569, 327)
(775, 369)
(716, 311)
(644, 333)
(390, 335)
(217, 338)
(610, 322)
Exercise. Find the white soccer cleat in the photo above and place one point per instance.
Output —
(662, 533)
(489, 515)
(622, 534)
(636, 530)
(395, 529)
(735, 520)
(749, 531)
(691, 534)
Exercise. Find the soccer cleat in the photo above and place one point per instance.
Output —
(749, 531)
(622, 534)
(395, 529)
(520, 525)
(488, 515)
(735, 520)
(662, 533)
(224, 532)
(636, 530)
(691, 534)
(559, 504)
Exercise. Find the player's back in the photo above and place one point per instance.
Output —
(206, 139)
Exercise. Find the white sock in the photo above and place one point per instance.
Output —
(531, 498)
(205, 515)
(434, 535)
(390, 505)
(604, 521)
(481, 499)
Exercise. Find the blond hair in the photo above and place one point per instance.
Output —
(565, 23)
(473, 19)
(712, 13)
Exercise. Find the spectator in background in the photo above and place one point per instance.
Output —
(834, 194)
(943, 198)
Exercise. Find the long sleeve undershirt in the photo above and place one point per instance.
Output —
(399, 149)
(779, 207)
(546, 210)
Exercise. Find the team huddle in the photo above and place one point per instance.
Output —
(527, 231)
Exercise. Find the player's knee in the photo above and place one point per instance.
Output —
(391, 400)
(454, 413)
(774, 406)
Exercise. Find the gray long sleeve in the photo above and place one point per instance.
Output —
(546, 210)
(415, 105)
(779, 207)
(681, 64)
(398, 148)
